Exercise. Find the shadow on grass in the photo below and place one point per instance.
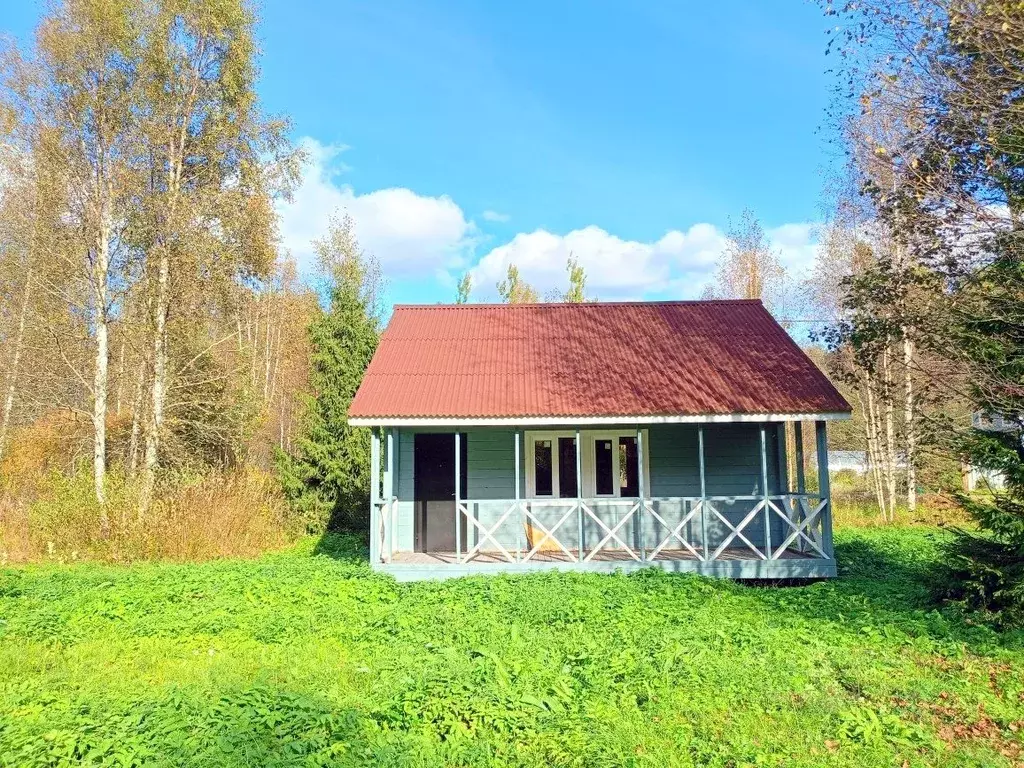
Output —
(347, 547)
(889, 583)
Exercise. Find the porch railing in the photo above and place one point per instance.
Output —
(632, 529)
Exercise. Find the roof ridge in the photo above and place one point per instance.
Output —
(533, 305)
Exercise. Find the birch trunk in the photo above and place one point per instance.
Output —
(874, 458)
(266, 354)
(158, 390)
(890, 437)
(100, 270)
(15, 363)
(137, 416)
(909, 425)
(120, 380)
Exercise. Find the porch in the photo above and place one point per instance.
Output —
(602, 499)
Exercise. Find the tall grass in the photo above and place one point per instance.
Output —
(57, 518)
(933, 509)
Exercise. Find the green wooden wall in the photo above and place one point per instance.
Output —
(732, 467)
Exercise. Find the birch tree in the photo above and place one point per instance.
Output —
(74, 101)
(464, 289)
(577, 282)
(18, 254)
(748, 267)
(206, 216)
(514, 290)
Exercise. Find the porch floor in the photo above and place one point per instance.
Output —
(605, 556)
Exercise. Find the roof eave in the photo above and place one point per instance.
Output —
(538, 421)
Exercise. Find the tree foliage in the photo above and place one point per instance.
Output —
(577, 282)
(464, 289)
(514, 290)
(942, 84)
(327, 477)
(748, 267)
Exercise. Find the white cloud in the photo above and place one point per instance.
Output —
(677, 265)
(411, 234)
(797, 246)
(429, 238)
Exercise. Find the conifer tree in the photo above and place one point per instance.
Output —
(327, 478)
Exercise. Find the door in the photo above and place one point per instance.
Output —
(434, 492)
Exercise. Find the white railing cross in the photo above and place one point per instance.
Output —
(612, 533)
(800, 528)
(675, 531)
(489, 533)
(548, 533)
(737, 531)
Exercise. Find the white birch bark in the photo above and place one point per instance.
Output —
(100, 277)
(890, 437)
(874, 454)
(158, 387)
(12, 382)
(910, 425)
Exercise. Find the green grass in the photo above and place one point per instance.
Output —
(306, 658)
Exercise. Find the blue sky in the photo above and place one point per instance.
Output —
(463, 135)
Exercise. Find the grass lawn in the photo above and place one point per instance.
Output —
(306, 658)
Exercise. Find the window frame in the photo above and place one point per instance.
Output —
(587, 458)
(531, 462)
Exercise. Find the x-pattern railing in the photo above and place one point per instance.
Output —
(488, 534)
(810, 523)
(802, 518)
(613, 532)
(736, 531)
(548, 534)
(675, 533)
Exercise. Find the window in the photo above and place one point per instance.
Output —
(542, 469)
(567, 467)
(609, 463)
(629, 467)
(604, 468)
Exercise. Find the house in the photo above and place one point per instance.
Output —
(596, 436)
(854, 461)
(850, 461)
(978, 478)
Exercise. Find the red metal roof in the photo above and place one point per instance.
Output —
(684, 358)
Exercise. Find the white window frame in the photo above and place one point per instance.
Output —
(531, 463)
(588, 454)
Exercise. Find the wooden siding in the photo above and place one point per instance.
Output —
(733, 468)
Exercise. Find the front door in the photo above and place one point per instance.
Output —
(434, 492)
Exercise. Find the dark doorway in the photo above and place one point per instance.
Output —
(434, 492)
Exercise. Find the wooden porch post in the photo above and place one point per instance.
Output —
(783, 455)
(519, 512)
(801, 482)
(579, 498)
(642, 491)
(703, 491)
(458, 501)
(823, 487)
(764, 494)
(375, 495)
(782, 459)
(389, 488)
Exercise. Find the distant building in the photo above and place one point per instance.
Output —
(975, 477)
(853, 461)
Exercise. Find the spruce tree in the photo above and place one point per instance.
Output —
(327, 478)
(988, 565)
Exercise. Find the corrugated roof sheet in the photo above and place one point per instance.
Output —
(687, 358)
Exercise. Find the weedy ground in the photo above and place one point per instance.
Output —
(305, 657)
